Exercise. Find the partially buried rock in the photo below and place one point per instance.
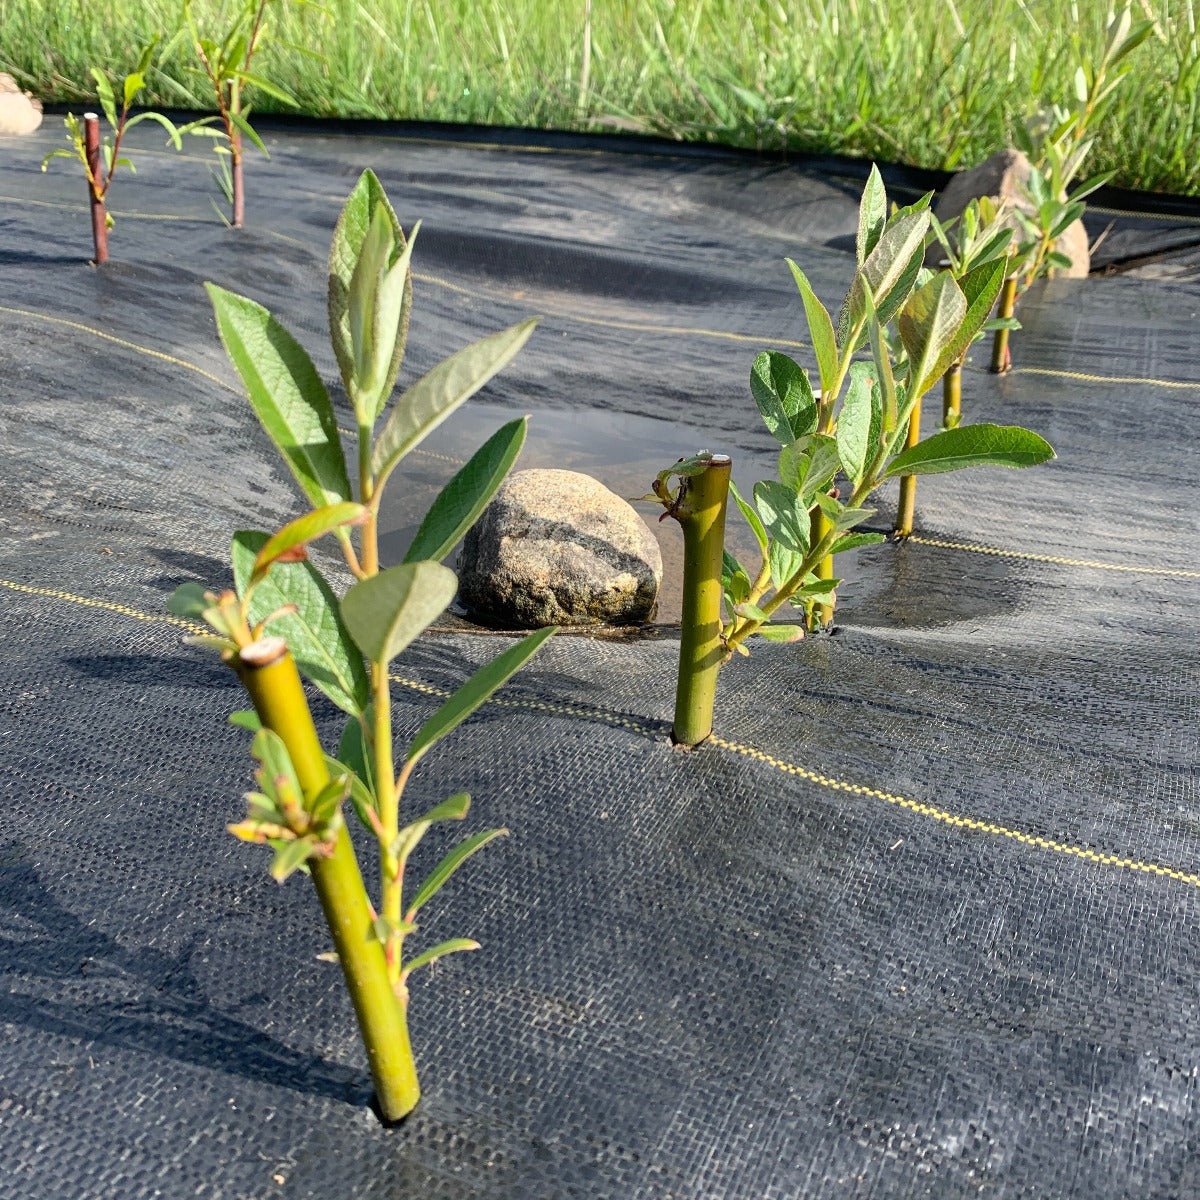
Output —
(1004, 177)
(558, 548)
(19, 112)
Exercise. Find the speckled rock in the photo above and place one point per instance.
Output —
(1003, 177)
(19, 112)
(558, 548)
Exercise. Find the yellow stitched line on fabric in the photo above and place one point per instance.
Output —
(109, 337)
(634, 326)
(1084, 377)
(1124, 568)
(930, 811)
(108, 605)
(1174, 218)
(974, 824)
(116, 212)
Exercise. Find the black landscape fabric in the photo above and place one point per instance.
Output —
(922, 921)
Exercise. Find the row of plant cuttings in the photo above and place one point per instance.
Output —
(1057, 141)
(862, 426)
(900, 328)
(226, 61)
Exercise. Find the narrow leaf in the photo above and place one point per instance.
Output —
(286, 393)
(476, 691)
(854, 541)
(785, 634)
(295, 535)
(872, 215)
(455, 859)
(752, 518)
(972, 446)
(451, 946)
(820, 329)
(348, 237)
(315, 633)
(462, 501)
(425, 405)
(929, 324)
(853, 430)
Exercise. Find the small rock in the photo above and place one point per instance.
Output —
(19, 111)
(1003, 178)
(558, 548)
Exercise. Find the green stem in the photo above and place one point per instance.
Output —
(269, 674)
(952, 396)
(822, 613)
(908, 483)
(1001, 356)
(382, 762)
(701, 512)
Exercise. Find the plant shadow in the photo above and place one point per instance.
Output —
(137, 999)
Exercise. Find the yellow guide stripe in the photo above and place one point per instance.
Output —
(1091, 564)
(118, 341)
(956, 821)
(830, 782)
(1180, 384)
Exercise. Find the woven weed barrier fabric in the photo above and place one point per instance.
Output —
(923, 920)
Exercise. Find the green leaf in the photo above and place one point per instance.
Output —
(784, 515)
(267, 87)
(352, 750)
(315, 633)
(476, 691)
(820, 330)
(929, 324)
(453, 809)
(158, 119)
(104, 90)
(785, 634)
(328, 801)
(853, 432)
(348, 238)
(455, 859)
(980, 287)
(752, 518)
(286, 394)
(370, 343)
(972, 446)
(289, 543)
(872, 215)
(246, 718)
(784, 396)
(361, 798)
(890, 270)
(277, 771)
(425, 405)
(290, 857)
(133, 84)
(853, 541)
(463, 499)
(451, 946)
(189, 600)
(248, 130)
(389, 611)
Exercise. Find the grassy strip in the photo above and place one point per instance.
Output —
(932, 82)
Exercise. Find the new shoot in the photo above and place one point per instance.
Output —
(99, 153)
(283, 618)
(836, 449)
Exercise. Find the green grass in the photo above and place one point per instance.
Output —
(936, 83)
